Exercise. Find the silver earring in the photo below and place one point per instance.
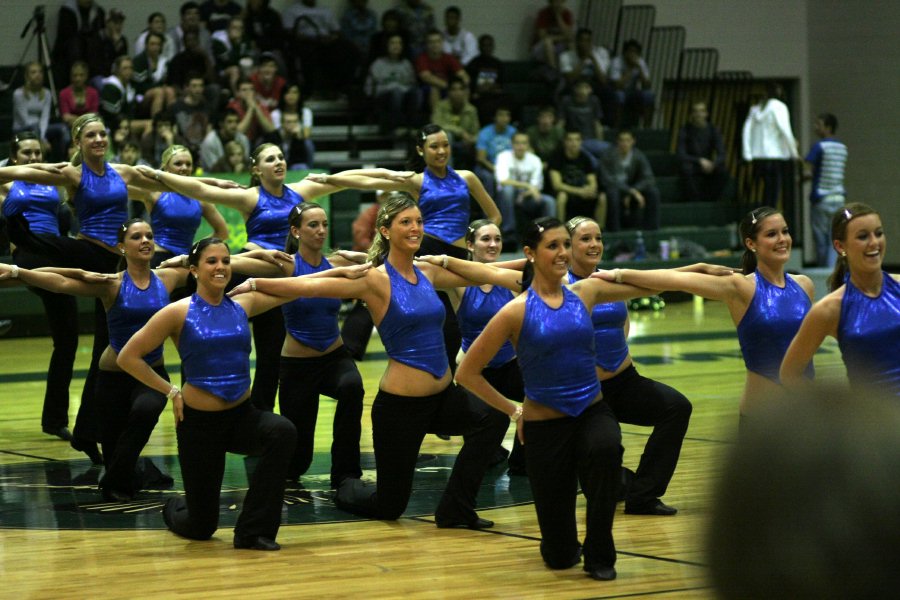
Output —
(844, 254)
(753, 250)
(296, 237)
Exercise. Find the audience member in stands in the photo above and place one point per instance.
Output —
(193, 114)
(217, 14)
(212, 149)
(574, 183)
(78, 98)
(358, 24)
(326, 59)
(459, 119)
(486, 75)
(235, 159)
(417, 20)
(292, 101)
(492, 140)
(632, 196)
(630, 76)
(546, 136)
(150, 76)
(391, 24)
(78, 30)
(118, 98)
(112, 44)
(769, 143)
(435, 68)
(191, 23)
(254, 117)
(193, 61)
(156, 23)
(459, 42)
(582, 111)
(552, 32)
(292, 141)
(269, 85)
(520, 184)
(262, 24)
(130, 154)
(586, 62)
(231, 53)
(825, 161)
(160, 136)
(701, 154)
(32, 107)
(391, 84)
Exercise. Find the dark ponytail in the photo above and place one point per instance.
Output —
(839, 223)
(749, 228)
(416, 161)
(295, 219)
(254, 159)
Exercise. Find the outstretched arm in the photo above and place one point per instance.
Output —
(243, 200)
(60, 284)
(362, 180)
(46, 175)
(334, 283)
(450, 272)
(708, 286)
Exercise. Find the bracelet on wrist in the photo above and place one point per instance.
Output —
(617, 273)
(14, 272)
(157, 174)
(252, 283)
(445, 261)
(173, 392)
(516, 414)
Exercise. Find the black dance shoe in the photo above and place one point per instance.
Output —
(478, 523)
(256, 542)
(656, 508)
(111, 495)
(62, 433)
(89, 448)
(602, 573)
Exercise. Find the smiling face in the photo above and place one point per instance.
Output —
(213, 268)
(405, 230)
(551, 257)
(487, 244)
(773, 242)
(137, 243)
(313, 230)
(93, 140)
(29, 152)
(435, 150)
(587, 247)
(864, 243)
(181, 163)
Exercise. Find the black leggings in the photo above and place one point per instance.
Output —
(399, 424)
(507, 379)
(452, 335)
(637, 400)
(129, 410)
(560, 454)
(203, 439)
(302, 380)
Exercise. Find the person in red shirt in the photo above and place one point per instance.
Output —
(78, 98)
(255, 119)
(553, 32)
(267, 82)
(436, 68)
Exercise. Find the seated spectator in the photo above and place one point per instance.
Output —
(363, 227)
(552, 32)
(630, 76)
(254, 117)
(582, 111)
(213, 147)
(292, 101)
(217, 14)
(417, 20)
(118, 98)
(459, 119)
(520, 181)
(120, 134)
(546, 137)
(586, 62)
(492, 140)
(435, 68)
(262, 24)
(156, 23)
(486, 76)
(459, 42)
(112, 45)
(632, 197)
(193, 61)
(193, 114)
(574, 183)
(235, 160)
(130, 154)
(32, 104)
(825, 165)
(297, 148)
(391, 83)
(358, 24)
(151, 75)
(269, 85)
(191, 23)
(231, 52)
(159, 137)
(78, 28)
(390, 25)
(327, 61)
(78, 98)
(701, 155)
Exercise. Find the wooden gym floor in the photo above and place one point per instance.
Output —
(58, 540)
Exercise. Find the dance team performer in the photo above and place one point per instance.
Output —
(127, 409)
(444, 200)
(416, 394)
(570, 435)
(862, 312)
(265, 207)
(634, 399)
(33, 213)
(175, 218)
(766, 304)
(99, 193)
(212, 413)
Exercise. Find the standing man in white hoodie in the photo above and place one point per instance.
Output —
(769, 143)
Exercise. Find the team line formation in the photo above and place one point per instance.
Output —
(474, 345)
